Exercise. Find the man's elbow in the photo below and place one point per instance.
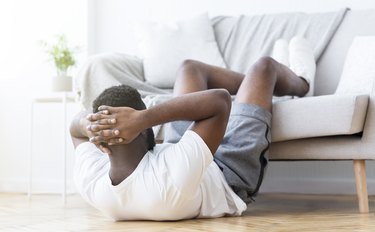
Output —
(224, 100)
(74, 129)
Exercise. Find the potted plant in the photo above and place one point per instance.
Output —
(63, 58)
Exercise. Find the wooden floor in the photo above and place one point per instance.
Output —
(271, 212)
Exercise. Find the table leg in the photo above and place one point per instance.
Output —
(29, 192)
(64, 149)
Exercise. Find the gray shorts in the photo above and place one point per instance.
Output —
(243, 153)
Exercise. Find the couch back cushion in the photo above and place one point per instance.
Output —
(358, 73)
(330, 65)
(163, 48)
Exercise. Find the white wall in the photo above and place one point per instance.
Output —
(110, 30)
(23, 25)
(24, 72)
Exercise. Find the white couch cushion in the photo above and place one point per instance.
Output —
(318, 116)
(358, 74)
(164, 47)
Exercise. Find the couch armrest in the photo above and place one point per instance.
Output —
(368, 137)
(318, 116)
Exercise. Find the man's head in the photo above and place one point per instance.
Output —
(127, 96)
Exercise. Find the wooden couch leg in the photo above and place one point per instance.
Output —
(360, 179)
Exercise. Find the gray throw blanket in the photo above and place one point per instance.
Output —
(242, 40)
(106, 70)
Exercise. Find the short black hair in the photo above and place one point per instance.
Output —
(123, 95)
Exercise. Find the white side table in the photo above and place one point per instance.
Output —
(57, 97)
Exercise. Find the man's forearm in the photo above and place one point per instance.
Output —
(190, 107)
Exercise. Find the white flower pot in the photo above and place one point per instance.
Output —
(61, 84)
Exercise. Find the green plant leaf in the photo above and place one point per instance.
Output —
(60, 53)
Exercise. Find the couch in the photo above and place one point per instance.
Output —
(327, 126)
(357, 141)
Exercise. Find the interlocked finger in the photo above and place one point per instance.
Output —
(115, 141)
(107, 121)
(104, 136)
(98, 139)
(97, 116)
(108, 133)
(108, 109)
(96, 127)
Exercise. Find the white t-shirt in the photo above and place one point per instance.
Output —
(172, 182)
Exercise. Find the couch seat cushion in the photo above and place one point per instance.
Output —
(318, 116)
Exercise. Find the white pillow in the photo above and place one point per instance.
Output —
(164, 47)
(359, 69)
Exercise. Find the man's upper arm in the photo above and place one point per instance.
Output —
(211, 130)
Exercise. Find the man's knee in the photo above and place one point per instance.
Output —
(264, 67)
(190, 69)
(190, 65)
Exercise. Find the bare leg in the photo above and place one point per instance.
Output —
(196, 76)
(265, 78)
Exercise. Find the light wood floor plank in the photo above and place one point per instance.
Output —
(271, 212)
